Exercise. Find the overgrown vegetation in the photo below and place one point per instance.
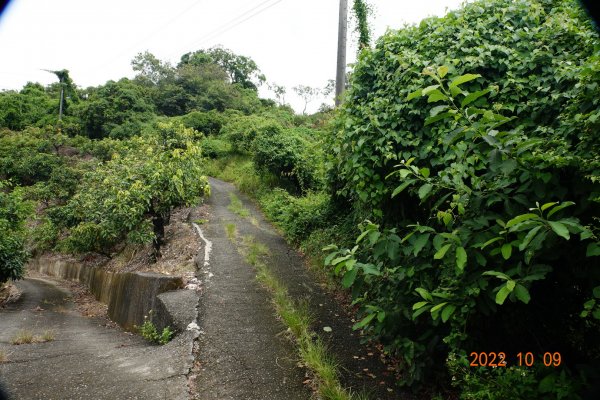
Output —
(466, 152)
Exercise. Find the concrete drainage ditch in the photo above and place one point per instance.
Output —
(130, 295)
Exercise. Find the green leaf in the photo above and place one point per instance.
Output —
(420, 311)
(447, 312)
(340, 259)
(413, 95)
(522, 293)
(438, 306)
(364, 322)
(503, 293)
(520, 218)
(471, 97)
(424, 172)
(560, 207)
(429, 89)
(548, 205)
(425, 190)
(529, 237)
(559, 229)
(420, 304)
(464, 79)
(593, 250)
(330, 257)
(431, 120)
(436, 95)
(441, 252)
(442, 71)
(461, 258)
(497, 274)
(420, 243)
(424, 294)
(349, 277)
(493, 240)
(403, 186)
(506, 250)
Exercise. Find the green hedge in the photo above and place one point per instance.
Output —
(472, 139)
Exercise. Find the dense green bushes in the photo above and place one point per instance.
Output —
(13, 212)
(482, 179)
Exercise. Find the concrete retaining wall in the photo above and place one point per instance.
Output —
(129, 295)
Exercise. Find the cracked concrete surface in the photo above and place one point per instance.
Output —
(88, 359)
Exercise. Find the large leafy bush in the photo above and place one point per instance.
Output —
(13, 212)
(482, 179)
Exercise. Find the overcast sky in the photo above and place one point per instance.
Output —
(292, 41)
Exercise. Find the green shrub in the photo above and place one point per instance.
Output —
(209, 122)
(481, 176)
(296, 216)
(215, 148)
(291, 156)
(13, 212)
(242, 131)
(150, 333)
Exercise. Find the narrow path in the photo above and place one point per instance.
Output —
(243, 354)
(87, 359)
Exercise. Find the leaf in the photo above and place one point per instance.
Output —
(429, 89)
(340, 259)
(520, 218)
(327, 329)
(548, 205)
(403, 186)
(522, 293)
(364, 322)
(438, 306)
(436, 95)
(420, 311)
(529, 237)
(593, 250)
(442, 71)
(559, 229)
(464, 79)
(420, 304)
(461, 258)
(431, 120)
(497, 274)
(506, 250)
(493, 240)
(503, 293)
(424, 294)
(560, 207)
(349, 277)
(447, 312)
(596, 292)
(424, 172)
(425, 190)
(413, 95)
(420, 243)
(330, 257)
(471, 97)
(442, 252)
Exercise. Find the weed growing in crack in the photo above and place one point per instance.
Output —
(237, 207)
(3, 357)
(296, 316)
(48, 336)
(231, 231)
(23, 337)
(149, 332)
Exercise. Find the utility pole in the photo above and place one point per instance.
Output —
(340, 78)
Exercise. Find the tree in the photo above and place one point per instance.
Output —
(151, 70)
(13, 212)
(307, 94)
(241, 70)
(279, 91)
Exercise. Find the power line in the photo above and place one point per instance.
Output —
(154, 32)
(245, 16)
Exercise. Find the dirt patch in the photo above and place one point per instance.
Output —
(177, 253)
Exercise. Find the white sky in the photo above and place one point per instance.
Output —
(292, 41)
